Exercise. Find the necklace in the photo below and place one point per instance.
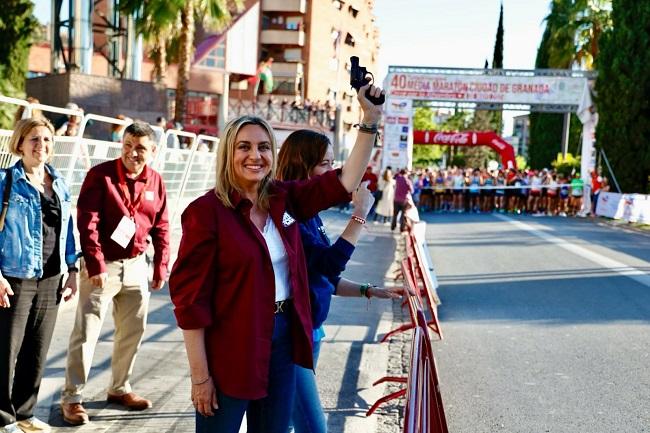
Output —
(35, 179)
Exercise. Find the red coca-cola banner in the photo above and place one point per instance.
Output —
(469, 138)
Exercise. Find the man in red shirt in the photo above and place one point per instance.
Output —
(121, 203)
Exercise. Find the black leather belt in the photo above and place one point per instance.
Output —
(282, 306)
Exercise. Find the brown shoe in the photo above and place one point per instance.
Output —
(74, 413)
(130, 400)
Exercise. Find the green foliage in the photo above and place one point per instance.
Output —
(427, 155)
(522, 164)
(576, 28)
(497, 59)
(17, 25)
(556, 50)
(7, 111)
(623, 88)
(566, 166)
(459, 121)
(423, 119)
(458, 160)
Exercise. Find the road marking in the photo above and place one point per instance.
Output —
(614, 265)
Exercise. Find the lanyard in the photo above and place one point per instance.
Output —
(131, 205)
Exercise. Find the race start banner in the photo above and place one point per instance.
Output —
(487, 88)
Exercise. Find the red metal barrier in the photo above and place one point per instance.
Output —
(424, 411)
(419, 273)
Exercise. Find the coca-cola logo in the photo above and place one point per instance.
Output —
(451, 138)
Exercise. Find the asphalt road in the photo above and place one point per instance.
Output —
(546, 324)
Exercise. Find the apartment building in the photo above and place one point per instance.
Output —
(311, 42)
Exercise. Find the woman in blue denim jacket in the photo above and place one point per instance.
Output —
(37, 248)
(305, 154)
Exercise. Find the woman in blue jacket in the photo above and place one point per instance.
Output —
(37, 249)
(305, 154)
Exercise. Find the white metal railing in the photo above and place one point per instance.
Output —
(187, 171)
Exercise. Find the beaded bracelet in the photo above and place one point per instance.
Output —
(358, 219)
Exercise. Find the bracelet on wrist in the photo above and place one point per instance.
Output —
(368, 129)
(72, 269)
(364, 290)
(201, 382)
(358, 219)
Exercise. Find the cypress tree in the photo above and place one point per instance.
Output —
(497, 63)
(623, 88)
(497, 58)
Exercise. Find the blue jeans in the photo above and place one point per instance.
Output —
(308, 415)
(270, 414)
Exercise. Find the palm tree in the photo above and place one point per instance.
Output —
(160, 20)
(575, 30)
(213, 15)
(157, 21)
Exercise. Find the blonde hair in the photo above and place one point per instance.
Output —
(36, 113)
(22, 128)
(226, 179)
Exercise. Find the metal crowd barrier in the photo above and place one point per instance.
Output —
(425, 285)
(187, 172)
(424, 410)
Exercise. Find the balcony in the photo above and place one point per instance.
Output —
(284, 6)
(283, 37)
(281, 69)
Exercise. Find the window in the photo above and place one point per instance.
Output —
(349, 40)
(353, 11)
(293, 54)
(337, 4)
(294, 23)
(216, 58)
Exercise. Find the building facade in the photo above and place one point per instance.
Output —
(311, 41)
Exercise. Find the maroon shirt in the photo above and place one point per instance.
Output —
(223, 280)
(372, 179)
(100, 209)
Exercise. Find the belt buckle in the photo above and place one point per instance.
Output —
(280, 306)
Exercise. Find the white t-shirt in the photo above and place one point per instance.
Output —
(279, 260)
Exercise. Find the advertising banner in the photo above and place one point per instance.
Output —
(398, 134)
(629, 207)
(487, 88)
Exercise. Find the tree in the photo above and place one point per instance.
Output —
(497, 63)
(577, 27)
(425, 155)
(212, 14)
(157, 21)
(556, 50)
(623, 87)
(17, 25)
(497, 57)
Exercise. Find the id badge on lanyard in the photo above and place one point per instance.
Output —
(125, 230)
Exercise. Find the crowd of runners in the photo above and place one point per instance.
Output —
(538, 192)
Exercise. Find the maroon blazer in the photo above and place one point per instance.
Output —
(223, 280)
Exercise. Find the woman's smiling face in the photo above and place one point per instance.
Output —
(253, 157)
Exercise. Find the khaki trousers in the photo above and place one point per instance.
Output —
(128, 288)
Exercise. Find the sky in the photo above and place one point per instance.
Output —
(458, 33)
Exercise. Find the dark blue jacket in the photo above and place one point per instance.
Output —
(325, 263)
